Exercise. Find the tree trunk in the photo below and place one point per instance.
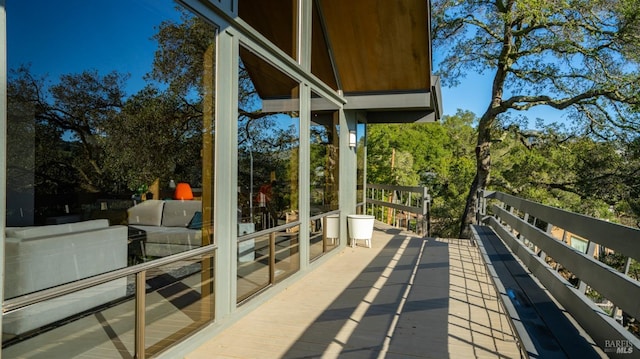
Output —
(468, 216)
(483, 166)
(496, 107)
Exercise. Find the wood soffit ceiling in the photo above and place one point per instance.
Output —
(378, 46)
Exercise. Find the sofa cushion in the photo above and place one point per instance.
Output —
(179, 213)
(147, 213)
(33, 264)
(52, 230)
(196, 221)
(37, 263)
(176, 235)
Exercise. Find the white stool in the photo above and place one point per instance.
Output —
(360, 227)
(332, 227)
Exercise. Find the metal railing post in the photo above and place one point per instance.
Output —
(481, 206)
(426, 215)
(141, 294)
(591, 248)
(272, 257)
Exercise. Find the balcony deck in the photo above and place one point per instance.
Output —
(407, 297)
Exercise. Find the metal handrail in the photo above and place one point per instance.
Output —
(319, 216)
(266, 232)
(415, 189)
(14, 304)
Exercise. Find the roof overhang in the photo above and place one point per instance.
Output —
(376, 52)
(401, 107)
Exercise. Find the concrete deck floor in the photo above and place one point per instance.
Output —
(406, 297)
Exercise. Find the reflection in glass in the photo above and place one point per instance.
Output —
(96, 127)
(253, 266)
(286, 253)
(324, 174)
(179, 301)
(268, 167)
(324, 156)
(267, 259)
(107, 332)
(321, 62)
(109, 106)
(268, 144)
(324, 235)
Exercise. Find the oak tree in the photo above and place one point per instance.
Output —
(578, 56)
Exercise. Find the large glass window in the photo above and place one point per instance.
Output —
(268, 168)
(106, 118)
(268, 144)
(579, 244)
(323, 176)
(324, 161)
(109, 157)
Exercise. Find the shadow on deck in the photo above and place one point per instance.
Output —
(407, 297)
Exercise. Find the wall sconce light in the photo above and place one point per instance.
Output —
(352, 139)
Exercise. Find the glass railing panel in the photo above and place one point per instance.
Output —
(253, 266)
(331, 232)
(316, 247)
(286, 250)
(324, 235)
(97, 322)
(179, 301)
(266, 259)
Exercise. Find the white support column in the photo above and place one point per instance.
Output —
(3, 140)
(304, 197)
(348, 167)
(363, 127)
(304, 58)
(305, 14)
(226, 182)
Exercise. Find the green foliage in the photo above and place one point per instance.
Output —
(619, 263)
(437, 155)
(92, 137)
(579, 56)
(577, 173)
(179, 59)
(154, 135)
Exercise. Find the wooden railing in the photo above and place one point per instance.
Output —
(401, 206)
(535, 233)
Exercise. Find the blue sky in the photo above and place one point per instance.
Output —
(474, 92)
(62, 37)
